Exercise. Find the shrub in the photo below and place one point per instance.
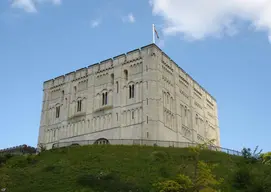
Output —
(31, 159)
(159, 156)
(168, 186)
(266, 158)
(41, 147)
(5, 181)
(251, 157)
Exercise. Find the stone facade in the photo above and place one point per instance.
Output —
(142, 94)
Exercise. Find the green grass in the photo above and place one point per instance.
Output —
(106, 168)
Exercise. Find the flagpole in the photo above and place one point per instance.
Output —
(153, 35)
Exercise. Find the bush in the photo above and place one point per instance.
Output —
(4, 158)
(266, 158)
(5, 181)
(168, 186)
(159, 156)
(31, 159)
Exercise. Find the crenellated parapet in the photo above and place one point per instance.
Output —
(102, 67)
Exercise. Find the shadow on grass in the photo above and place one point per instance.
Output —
(109, 182)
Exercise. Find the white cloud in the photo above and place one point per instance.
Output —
(198, 19)
(95, 23)
(129, 18)
(31, 5)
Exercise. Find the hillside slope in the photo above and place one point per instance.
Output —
(106, 168)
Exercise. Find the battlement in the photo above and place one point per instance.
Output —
(97, 67)
(130, 56)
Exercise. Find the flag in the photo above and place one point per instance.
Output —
(156, 33)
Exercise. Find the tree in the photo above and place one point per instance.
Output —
(203, 179)
(251, 157)
(41, 147)
(266, 158)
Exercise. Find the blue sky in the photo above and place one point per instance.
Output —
(228, 54)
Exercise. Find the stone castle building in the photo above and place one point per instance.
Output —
(142, 94)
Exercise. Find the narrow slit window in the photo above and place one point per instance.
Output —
(133, 91)
(106, 98)
(126, 75)
(79, 105)
(63, 94)
(57, 112)
(103, 99)
(112, 78)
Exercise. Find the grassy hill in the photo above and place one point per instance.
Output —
(108, 168)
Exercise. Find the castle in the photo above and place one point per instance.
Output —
(142, 94)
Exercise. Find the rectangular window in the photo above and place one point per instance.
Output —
(117, 116)
(133, 115)
(147, 119)
(117, 83)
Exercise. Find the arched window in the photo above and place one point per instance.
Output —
(101, 141)
(131, 91)
(126, 74)
(104, 99)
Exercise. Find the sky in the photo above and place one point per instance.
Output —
(224, 45)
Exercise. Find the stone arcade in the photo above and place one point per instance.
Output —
(142, 94)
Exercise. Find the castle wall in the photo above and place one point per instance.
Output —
(167, 104)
